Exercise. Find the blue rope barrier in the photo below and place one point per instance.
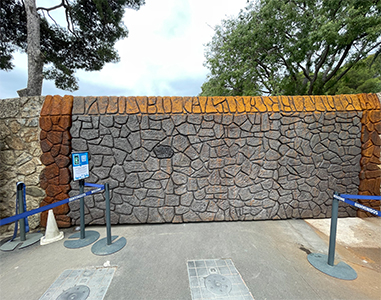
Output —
(358, 205)
(94, 185)
(364, 197)
(49, 206)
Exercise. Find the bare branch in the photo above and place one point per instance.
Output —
(51, 8)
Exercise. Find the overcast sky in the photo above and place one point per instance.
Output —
(162, 56)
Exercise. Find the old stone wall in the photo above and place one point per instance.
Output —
(55, 143)
(186, 159)
(20, 155)
(370, 176)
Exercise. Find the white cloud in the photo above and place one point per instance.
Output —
(164, 51)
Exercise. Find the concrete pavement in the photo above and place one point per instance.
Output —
(271, 257)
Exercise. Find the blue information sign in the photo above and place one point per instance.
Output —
(80, 165)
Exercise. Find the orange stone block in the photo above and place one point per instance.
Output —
(53, 190)
(142, 104)
(240, 105)
(64, 176)
(217, 100)
(67, 105)
(62, 209)
(131, 106)
(122, 105)
(177, 105)
(225, 107)
(196, 105)
(112, 105)
(259, 105)
(308, 104)
(202, 101)
(56, 106)
(159, 105)
(51, 171)
(247, 101)
(102, 104)
(375, 116)
(64, 122)
(285, 103)
(167, 104)
(340, 102)
(188, 104)
(209, 109)
(268, 102)
(45, 110)
(299, 103)
(232, 104)
(151, 109)
(355, 101)
(331, 103)
(219, 108)
(363, 101)
(45, 123)
(46, 158)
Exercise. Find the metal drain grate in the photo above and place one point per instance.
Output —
(76, 283)
(216, 279)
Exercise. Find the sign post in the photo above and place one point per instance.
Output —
(80, 172)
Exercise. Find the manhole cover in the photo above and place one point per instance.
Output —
(78, 292)
(218, 284)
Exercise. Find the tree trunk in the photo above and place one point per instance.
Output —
(35, 61)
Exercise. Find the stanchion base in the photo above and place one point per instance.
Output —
(341, 270)
(90, 237)
(31, 238)
(101, 247)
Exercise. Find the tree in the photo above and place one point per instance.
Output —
(87, 42)
(291, 46)
(364, 77)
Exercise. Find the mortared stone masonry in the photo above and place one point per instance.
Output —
(55, 142)
(190, 159)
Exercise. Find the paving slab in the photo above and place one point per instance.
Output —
(270, 256)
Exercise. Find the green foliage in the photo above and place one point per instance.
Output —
(291, 47)
(87, 42)
(364, 77)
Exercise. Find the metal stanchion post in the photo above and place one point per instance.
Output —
(108, 217)
(20, 199)
(82, 207)
(332, 235)
(85, 237)
(106, 245)
(325, 263)
(25, 239)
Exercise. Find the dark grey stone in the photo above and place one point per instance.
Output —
(162, 151)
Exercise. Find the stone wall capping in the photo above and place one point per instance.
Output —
(222, 105)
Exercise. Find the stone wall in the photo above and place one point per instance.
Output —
(186, 159)
(55, 142)
(20, 155)
(370, 175)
